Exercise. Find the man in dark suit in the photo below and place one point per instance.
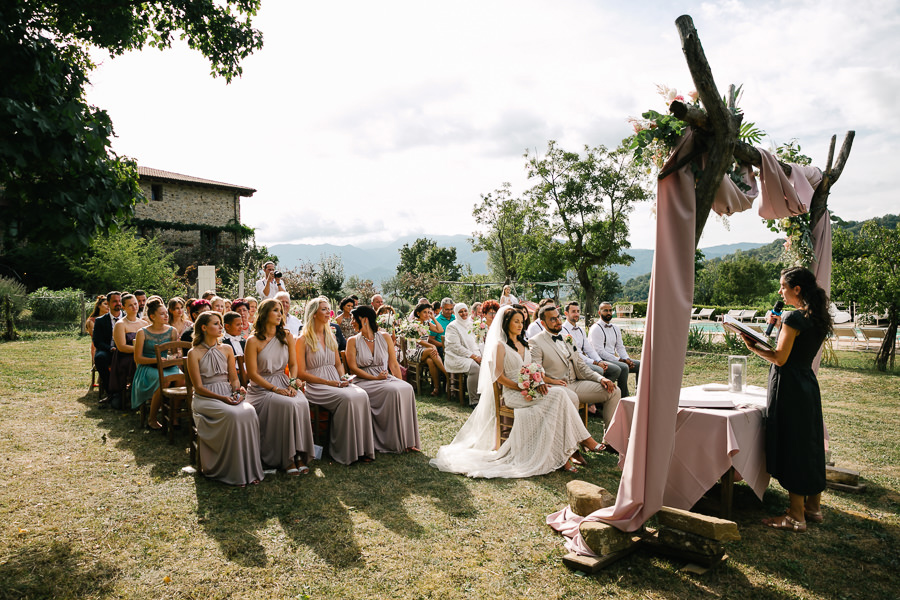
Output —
(103, 338)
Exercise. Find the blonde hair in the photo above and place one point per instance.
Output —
(309, 331)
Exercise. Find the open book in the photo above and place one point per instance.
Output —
(762, 342)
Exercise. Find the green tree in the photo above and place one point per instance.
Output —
(60, 181)
(742, 280)
(120, 260)
(363, 288)
(330, 272)
(587, 200)
(422, 265)
(866, 269)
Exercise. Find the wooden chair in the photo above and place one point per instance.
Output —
(321, 426)
(457, 383)
(195, 439)
(241, 370)
(505, 417)
(173, 397)
(416, 372)
(344, 361)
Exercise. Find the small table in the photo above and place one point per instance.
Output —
(710, 443)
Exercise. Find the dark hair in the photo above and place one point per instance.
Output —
(208, 294)
(231, 317)
(544, 310)
(97, 304)
(436, 306)
(419, 308)
(140, 293)
(814, 297)
(345, 302)
(262, 315)
(153, 306)
(198, 306)
(239, 302)
(507, 319)
(365, 313)
(198, 336)
(489, 305)
(546, 301)
(572, 303)
(109, 295)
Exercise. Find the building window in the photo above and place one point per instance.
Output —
(209, 242)
(156, 193)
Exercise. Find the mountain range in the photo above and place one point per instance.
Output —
(379, 263)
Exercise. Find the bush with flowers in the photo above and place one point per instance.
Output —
(530, 378)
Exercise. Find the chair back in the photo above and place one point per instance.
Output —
(173, 359)
(241, 369)
(404, 362)
(504, 417)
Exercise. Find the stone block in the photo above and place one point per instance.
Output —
(585, 498)
(605, 539)
(704, 525)
(690, 542)
(842, 476)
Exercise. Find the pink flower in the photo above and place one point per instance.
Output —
(680, 98)
(693, 95)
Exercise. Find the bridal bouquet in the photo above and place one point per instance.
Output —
(530, 378)
(479, 329)
(388, 322)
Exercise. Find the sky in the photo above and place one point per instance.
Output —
(360, 122)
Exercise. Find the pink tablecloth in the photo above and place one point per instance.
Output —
(707, 443)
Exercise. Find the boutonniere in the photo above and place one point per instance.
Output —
(569, 340)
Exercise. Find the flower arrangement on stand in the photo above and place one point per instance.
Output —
(530, 378)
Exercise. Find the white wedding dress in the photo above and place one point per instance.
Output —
(545, 433)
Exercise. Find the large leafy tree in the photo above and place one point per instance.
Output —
(867, 270)
(587, 199)
(60, 182)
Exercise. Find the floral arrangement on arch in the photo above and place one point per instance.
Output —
(530, 378)
(798, 244)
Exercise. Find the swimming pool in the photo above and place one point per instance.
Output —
(637, 325)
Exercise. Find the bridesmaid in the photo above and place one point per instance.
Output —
(227, 427)
(286, 437)
(371, 357)
(319, 364)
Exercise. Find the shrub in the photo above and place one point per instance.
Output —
(18, 295)
(55, 305)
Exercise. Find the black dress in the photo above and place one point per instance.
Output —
(795, 440)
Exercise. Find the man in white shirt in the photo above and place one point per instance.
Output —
(583, 347)
(291, 323)
(536, 327)
(606, 339)
(269, 285)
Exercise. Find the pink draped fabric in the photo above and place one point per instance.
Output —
(650, 445)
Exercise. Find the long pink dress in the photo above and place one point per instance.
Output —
(393, 401)
(351, 418)
(228, 434)
(285, 429)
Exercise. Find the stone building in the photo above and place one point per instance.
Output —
(196, 217)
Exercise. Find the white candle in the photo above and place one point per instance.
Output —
(737, 377)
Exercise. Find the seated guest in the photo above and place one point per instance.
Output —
(122, 364)
(195, 309)
(252, 305)
(102, 340)
(371, 357)
(461, 353)
(218, 304)
(286, 437)
(291, 323)
(444, 318)
(507, 297)
(606, 339)
(426, 352)
(564, 368)
(232, 335)
(489, 310)
(377, 302)
(177, 317)
(319, 365)
(535, 328)
(583, 346)
(145, 386)
(241, 307)
(227, 305)
(344, 319)
(338, 335)
(208, 295)
(227, 427)
(141, 297)
(476, 311)
(101, 307)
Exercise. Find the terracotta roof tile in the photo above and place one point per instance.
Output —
(178, 177)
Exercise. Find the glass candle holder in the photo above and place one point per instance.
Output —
(737, 373)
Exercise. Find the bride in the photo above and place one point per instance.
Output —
(546, 431)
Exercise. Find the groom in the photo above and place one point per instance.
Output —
(560, 361)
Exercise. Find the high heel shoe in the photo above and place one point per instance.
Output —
(571, 468)
(598, 448)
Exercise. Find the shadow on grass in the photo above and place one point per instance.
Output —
(53, 570)
(123, 428)
(318, 511)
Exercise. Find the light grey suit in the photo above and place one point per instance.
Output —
(561, 362)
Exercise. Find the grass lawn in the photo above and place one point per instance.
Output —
(93, 507)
